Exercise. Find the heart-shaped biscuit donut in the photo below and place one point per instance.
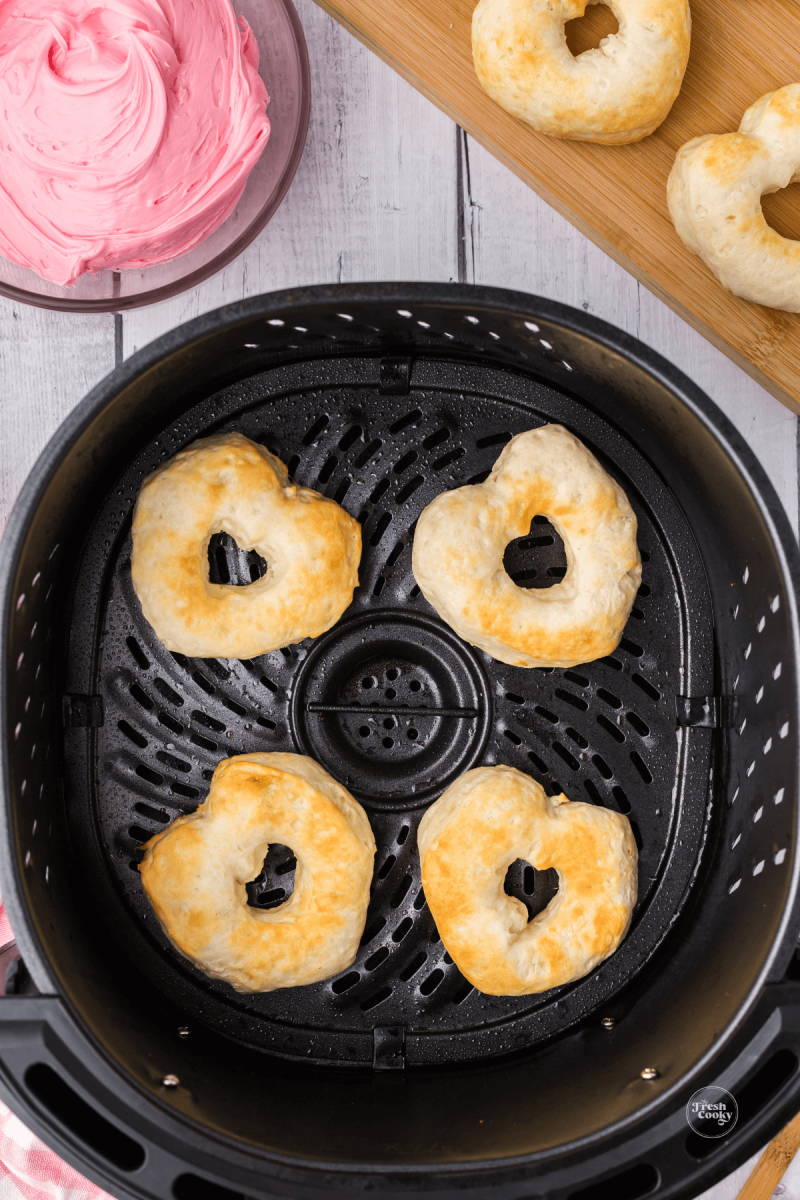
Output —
(619, 92)
(194, 874)
(468, 839)
(229, 484)
(714, 194)
(462, 535)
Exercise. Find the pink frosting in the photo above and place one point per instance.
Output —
(127, 129)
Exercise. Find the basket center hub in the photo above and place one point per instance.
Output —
(394, 706)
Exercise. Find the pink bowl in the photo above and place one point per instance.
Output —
(284, 69)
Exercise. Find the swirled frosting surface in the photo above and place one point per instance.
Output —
(127, 129)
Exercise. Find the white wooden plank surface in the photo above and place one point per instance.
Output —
(787, 1189)
(48, 361)
(386, 189)
(374, 196)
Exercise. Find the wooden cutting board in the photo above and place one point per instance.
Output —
(617, 195)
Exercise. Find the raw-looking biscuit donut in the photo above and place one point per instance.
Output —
(462, 535)
(194, 874)
(714, 194)
(469, 838)
(229, 484)
(619, 92)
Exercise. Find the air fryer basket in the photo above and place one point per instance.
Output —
(396, 1076)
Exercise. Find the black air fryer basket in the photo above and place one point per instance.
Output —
(396, 1076)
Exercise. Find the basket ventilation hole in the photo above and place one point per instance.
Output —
(138, 653)
(227, 564)
(194, 1187)
(535, 889)
(376, 999)
(431, 982)
(89, 1125)
(349, 439)
(462, 991)
(537, 560)
(448, 459)
(345, 983)
(154, 814)
(627, 1185)
(316, 430)
(274, 883)
(410, 418)
(406, 925)
(410, 970)
(375, 960)
(752, 1098)
(372, 931)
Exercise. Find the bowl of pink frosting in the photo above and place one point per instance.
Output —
(143, 144)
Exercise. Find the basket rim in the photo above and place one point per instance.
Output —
(451, 297)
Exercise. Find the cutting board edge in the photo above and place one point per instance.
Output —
(541, 189)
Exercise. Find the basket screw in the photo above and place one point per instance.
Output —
(183, 1031)
(649, 1073)
(170, 1081)
(608, 1022)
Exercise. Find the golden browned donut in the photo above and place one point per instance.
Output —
(462, 535)
(229, 484)
(469, 838)
(194, 874)
(714, 194)
(619, 92)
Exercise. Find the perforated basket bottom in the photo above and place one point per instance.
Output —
(396, 706)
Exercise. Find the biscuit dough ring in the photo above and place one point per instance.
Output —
(714, 195)
(469, 838)
(617, 93)
(462, 535)
(194, 874)
(229, 484)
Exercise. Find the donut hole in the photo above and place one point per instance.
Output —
(229, 565)
(781, 211)
(587, 32)
(535, 889)
(537, 560)
(274, 883)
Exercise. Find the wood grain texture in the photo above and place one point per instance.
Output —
(773, 1163)
(512, 238)
(729, 1188)
(48, 361)
(617, 195)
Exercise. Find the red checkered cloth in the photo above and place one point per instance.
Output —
(28, 1170)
